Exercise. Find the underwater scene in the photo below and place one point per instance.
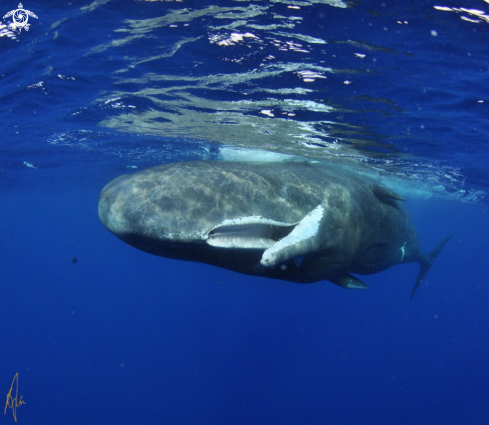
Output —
(239, 211)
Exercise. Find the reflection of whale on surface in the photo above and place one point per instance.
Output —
(287, 220)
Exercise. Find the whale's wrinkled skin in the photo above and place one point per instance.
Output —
(293, 221)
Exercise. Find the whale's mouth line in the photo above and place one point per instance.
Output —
(248, 233)
(280, 241)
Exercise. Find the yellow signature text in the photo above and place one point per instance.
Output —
(14, 402)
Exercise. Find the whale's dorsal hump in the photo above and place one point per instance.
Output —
(386, 195)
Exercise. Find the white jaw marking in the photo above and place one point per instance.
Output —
(293, 245)
(252, 232)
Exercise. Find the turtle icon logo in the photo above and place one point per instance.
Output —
(20, 17)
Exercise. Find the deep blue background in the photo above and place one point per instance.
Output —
(123, 337)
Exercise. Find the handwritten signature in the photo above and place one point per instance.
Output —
(12, 402)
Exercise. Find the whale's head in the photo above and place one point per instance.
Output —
(183, 209)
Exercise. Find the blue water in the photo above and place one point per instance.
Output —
(93, 91)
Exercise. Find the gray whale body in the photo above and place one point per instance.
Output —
(293, 221)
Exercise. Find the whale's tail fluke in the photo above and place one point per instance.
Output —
(426, 262)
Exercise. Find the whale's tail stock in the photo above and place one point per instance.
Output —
(426, 262)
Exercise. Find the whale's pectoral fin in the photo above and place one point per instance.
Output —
(386, 195)
(306, 237)
(349, 281)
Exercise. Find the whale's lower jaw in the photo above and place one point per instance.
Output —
(281, 241)
(248, 233)
(303, 239)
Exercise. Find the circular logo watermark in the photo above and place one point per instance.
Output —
(20, 18)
